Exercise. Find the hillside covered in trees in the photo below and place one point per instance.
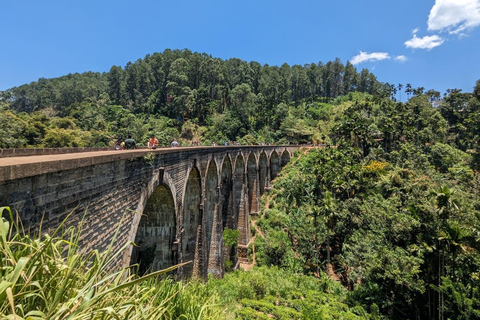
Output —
(392, 213)
(180, 94)
(193, 96)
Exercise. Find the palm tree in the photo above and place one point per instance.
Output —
(408, 90)
(446, 205)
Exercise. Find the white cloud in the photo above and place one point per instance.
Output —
(427, 42)
(400, 58)
(414, 31)
(374, 56)
(454, 16)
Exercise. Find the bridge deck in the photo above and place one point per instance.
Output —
(27, 166)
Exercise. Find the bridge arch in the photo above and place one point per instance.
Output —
(159, 178)
(191, 217)
(252, 182)
(285, 158)
(274, 165)
(156, 232)
(262, 172)
(211, 198)
(238, 187)
(226, 194)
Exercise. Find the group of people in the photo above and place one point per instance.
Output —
(130, 143)
(153, 143)
(225, 143)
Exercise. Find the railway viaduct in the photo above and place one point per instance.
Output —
(174, 203)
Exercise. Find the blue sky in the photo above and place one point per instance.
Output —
(434, 44)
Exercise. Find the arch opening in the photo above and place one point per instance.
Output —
(226, 195)
(237, 187)
(211, 198)
(191, 219)
(285, 158)
(252, 182)
(274, 165)
(156, 233)
(262, 172)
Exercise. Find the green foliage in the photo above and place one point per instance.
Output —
(235, 98)
(149, 158)
(371, 123)
(464, 302)
(267, 292)
(166, 136)
(48, 278)
(56, 138)
(444, 156)
(396, 231)
(320, 111)
(11, 131)
(236, 101)
(230, 237)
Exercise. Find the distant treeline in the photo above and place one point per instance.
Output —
(181, 83)
(194, 96)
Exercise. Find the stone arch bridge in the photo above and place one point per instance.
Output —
(173, 203)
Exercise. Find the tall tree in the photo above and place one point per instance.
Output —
(116, 85)
(399, 88)
(179, 94)
(349, 78)
(408, 90)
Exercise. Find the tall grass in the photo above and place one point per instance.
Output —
(47, 277)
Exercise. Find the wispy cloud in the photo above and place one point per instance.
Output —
(400, 58)
(427, 42)
(365, 56)
(454, 16)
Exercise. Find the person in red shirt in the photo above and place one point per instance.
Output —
(153, 142)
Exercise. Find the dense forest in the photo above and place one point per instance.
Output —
(392, 212)
(381, 223)
(181, 94)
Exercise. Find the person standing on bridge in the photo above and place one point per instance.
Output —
(174, 143)
(130, 143)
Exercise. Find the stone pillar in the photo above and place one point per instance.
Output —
(255, 197)
(243, 226)
(216, 261)
(268, 180)
(231, 222)
(200, 259)
(180, 237)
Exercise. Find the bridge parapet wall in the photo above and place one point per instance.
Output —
(23, 152)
